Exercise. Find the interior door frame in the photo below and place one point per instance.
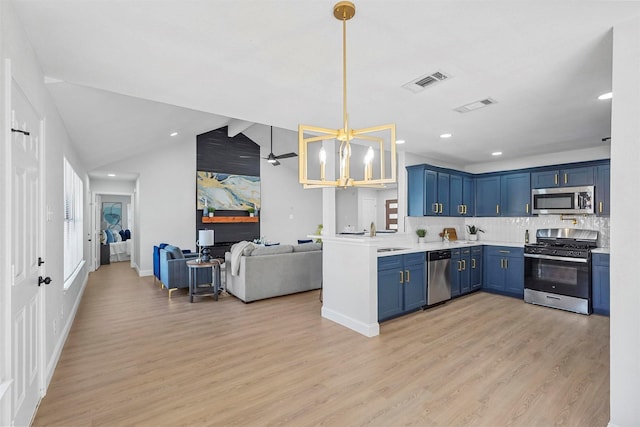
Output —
(98, 214)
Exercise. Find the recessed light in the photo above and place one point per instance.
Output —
(445, 135)
(497, 153)
(173, 133)
(111, 174)
(400, 141)
(607, 95)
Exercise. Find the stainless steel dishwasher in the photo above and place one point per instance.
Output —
(438, 276)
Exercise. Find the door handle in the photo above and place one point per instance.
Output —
(41, 261)
(46, 280)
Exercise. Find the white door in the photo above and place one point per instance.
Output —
(97, 216)
(26, 295)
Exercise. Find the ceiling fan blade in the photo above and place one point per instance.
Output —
(276, 163)
(286, 156)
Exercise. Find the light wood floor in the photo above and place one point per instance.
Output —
(136, 358)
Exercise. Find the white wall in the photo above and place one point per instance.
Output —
(108, 186)
(625, 182)
(59, 304)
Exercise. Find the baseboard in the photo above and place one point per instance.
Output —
(57, 352)
(143, 273)
(368, 330)
(5, 402)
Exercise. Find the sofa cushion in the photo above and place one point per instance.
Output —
(307, 247)
(272, 250)
(174, 251)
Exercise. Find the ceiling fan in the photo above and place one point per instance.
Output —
(272, 158)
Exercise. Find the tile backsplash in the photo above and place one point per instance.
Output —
(508, 229)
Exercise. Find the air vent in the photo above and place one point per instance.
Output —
(421, 83)
(475, 105)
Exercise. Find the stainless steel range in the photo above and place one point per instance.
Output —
(557, 269)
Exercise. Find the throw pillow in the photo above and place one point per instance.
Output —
(175, 252)
(308, 247)
(110, 238)
(117, 237)
(127, 234)
(304, 241)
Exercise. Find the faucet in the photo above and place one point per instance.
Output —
(445, 237)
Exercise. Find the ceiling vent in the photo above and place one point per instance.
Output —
(421, 83)
(475, 105)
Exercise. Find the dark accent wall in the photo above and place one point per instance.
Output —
(216, 152)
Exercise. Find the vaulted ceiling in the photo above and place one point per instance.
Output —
(125, 74)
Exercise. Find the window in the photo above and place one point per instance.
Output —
(73, 229)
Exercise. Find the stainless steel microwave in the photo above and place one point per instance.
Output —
(563, 200)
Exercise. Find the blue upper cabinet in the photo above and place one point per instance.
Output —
(515, 194)
(436, 185)
(461, 196)
(569, 177)
(488, 196)
(416, 191)
(603, 174)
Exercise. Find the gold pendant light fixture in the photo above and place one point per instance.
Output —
(376, 144)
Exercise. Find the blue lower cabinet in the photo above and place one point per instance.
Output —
(475, 272)
(504, 270)
(402, 284)
(600, 283)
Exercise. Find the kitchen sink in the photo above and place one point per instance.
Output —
(390, 249)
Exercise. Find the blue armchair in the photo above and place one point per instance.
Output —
(156, 261)
(174, 272)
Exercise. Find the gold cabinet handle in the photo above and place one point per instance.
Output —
(504, 252)
(473, 263)
(501, 262)
(434, 208)
(440, 207)
(527, 208)
(464, 264)
(408, 276)
(459, 265)
(401, 277)
(601, 207)
(566, 178)
(498, 209)
(465, 209)
(506, 263)
(555, 179)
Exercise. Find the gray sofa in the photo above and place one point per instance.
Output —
(266, 272)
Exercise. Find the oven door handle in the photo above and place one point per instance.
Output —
(557, 258)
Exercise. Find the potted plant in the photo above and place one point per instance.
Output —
(421, 232)
(252, 211)
(473, 232)
(211, 210)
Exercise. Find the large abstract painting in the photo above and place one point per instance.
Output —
(227, 192)
(112, 215)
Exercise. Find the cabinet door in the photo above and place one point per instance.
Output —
(468, 195)
(415, 287)
(515, 194)
(415, 191)
(443, 193)
(601, 284)
(546, 179)
(577, 177)
(488, 196)
(514, 270)
(431, 193)
(494, 271)
(465, 274)
(456, 207)
(475, 269)
(603, 174)
(390, 293)
(456, 269)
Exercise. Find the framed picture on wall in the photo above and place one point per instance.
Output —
(112, 216)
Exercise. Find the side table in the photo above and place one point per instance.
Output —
(200, 291)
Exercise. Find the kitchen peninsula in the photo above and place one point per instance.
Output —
(350, 275)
